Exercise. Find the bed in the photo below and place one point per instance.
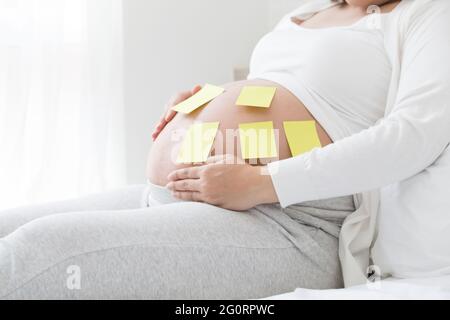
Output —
(389, 289)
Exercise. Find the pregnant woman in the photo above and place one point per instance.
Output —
(237, 231)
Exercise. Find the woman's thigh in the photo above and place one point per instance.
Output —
(132, 197)
(176, 251)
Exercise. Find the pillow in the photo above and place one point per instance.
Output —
(414, 227)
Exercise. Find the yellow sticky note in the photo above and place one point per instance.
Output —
(198, 143)
(205, 95)
(257, 140)
(302, 136)
(256, 97)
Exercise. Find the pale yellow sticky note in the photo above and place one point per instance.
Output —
(256, 97)
(205, 95)
(198, 143)
(257, 140)
(302, 136)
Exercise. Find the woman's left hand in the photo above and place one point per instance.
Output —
(224, 181)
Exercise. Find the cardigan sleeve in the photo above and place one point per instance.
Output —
(400, 145)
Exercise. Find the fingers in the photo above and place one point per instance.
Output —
(187, 196)
(183, 174)
(176, 99)
(196, 89)
(180, 98)
(159, 127)
(155, 135)
(170, 115)
(192, 185)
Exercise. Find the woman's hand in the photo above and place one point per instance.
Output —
(170, 114)
(225, 182)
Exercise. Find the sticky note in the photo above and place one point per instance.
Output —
(257, 140)
(205, 95)
(256, 97)
(302, 136)
(198, 142)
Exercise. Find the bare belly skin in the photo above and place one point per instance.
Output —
(285, 107)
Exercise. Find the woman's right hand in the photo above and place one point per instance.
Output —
(170, 114)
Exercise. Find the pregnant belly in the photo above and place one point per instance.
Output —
(285, 107)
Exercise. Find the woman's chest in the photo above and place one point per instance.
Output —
(344, 15)
(333, 17)
(318, 55)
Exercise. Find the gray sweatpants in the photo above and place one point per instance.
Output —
(120, 245)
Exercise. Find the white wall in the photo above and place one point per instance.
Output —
(171, 45)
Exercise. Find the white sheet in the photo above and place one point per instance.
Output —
(389, 289)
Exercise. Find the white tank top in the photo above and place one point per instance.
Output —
(341, 74)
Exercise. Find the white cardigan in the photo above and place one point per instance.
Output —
(412, 135)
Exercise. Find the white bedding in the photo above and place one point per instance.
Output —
(415, 289)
